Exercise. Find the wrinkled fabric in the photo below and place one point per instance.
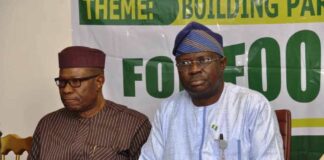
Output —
(183, 131)
(196, 37)
(115, 133)
(199, 41)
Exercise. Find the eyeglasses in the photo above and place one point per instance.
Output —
(74, 82)
(203, 62)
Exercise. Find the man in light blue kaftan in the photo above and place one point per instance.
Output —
(211, 119)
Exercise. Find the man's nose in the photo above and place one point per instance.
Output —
(194, 68)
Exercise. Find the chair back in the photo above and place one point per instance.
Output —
(13, 142)
(284, 119)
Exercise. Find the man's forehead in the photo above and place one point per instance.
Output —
(196, 55)
(74, 72)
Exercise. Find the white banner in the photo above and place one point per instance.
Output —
(279, 56)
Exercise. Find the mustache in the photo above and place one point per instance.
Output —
(197, 77)
(69, 98)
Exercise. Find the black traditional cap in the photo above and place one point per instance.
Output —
(80, 56)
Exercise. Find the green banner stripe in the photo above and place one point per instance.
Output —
(308, 122)
(180, 12)
(307, 147)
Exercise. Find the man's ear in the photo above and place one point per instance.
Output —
(223, 63)
(100, 81)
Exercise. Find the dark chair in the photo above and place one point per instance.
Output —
(284, 119)
(12, 142)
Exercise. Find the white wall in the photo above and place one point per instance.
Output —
(32, 32)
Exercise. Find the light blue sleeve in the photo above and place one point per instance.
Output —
(153, 148)
(266, 140)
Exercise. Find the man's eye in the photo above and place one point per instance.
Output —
(185, 63)
(205, 60)
(61, 81)
(74, 81)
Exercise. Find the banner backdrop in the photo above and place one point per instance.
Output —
(272, 46)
